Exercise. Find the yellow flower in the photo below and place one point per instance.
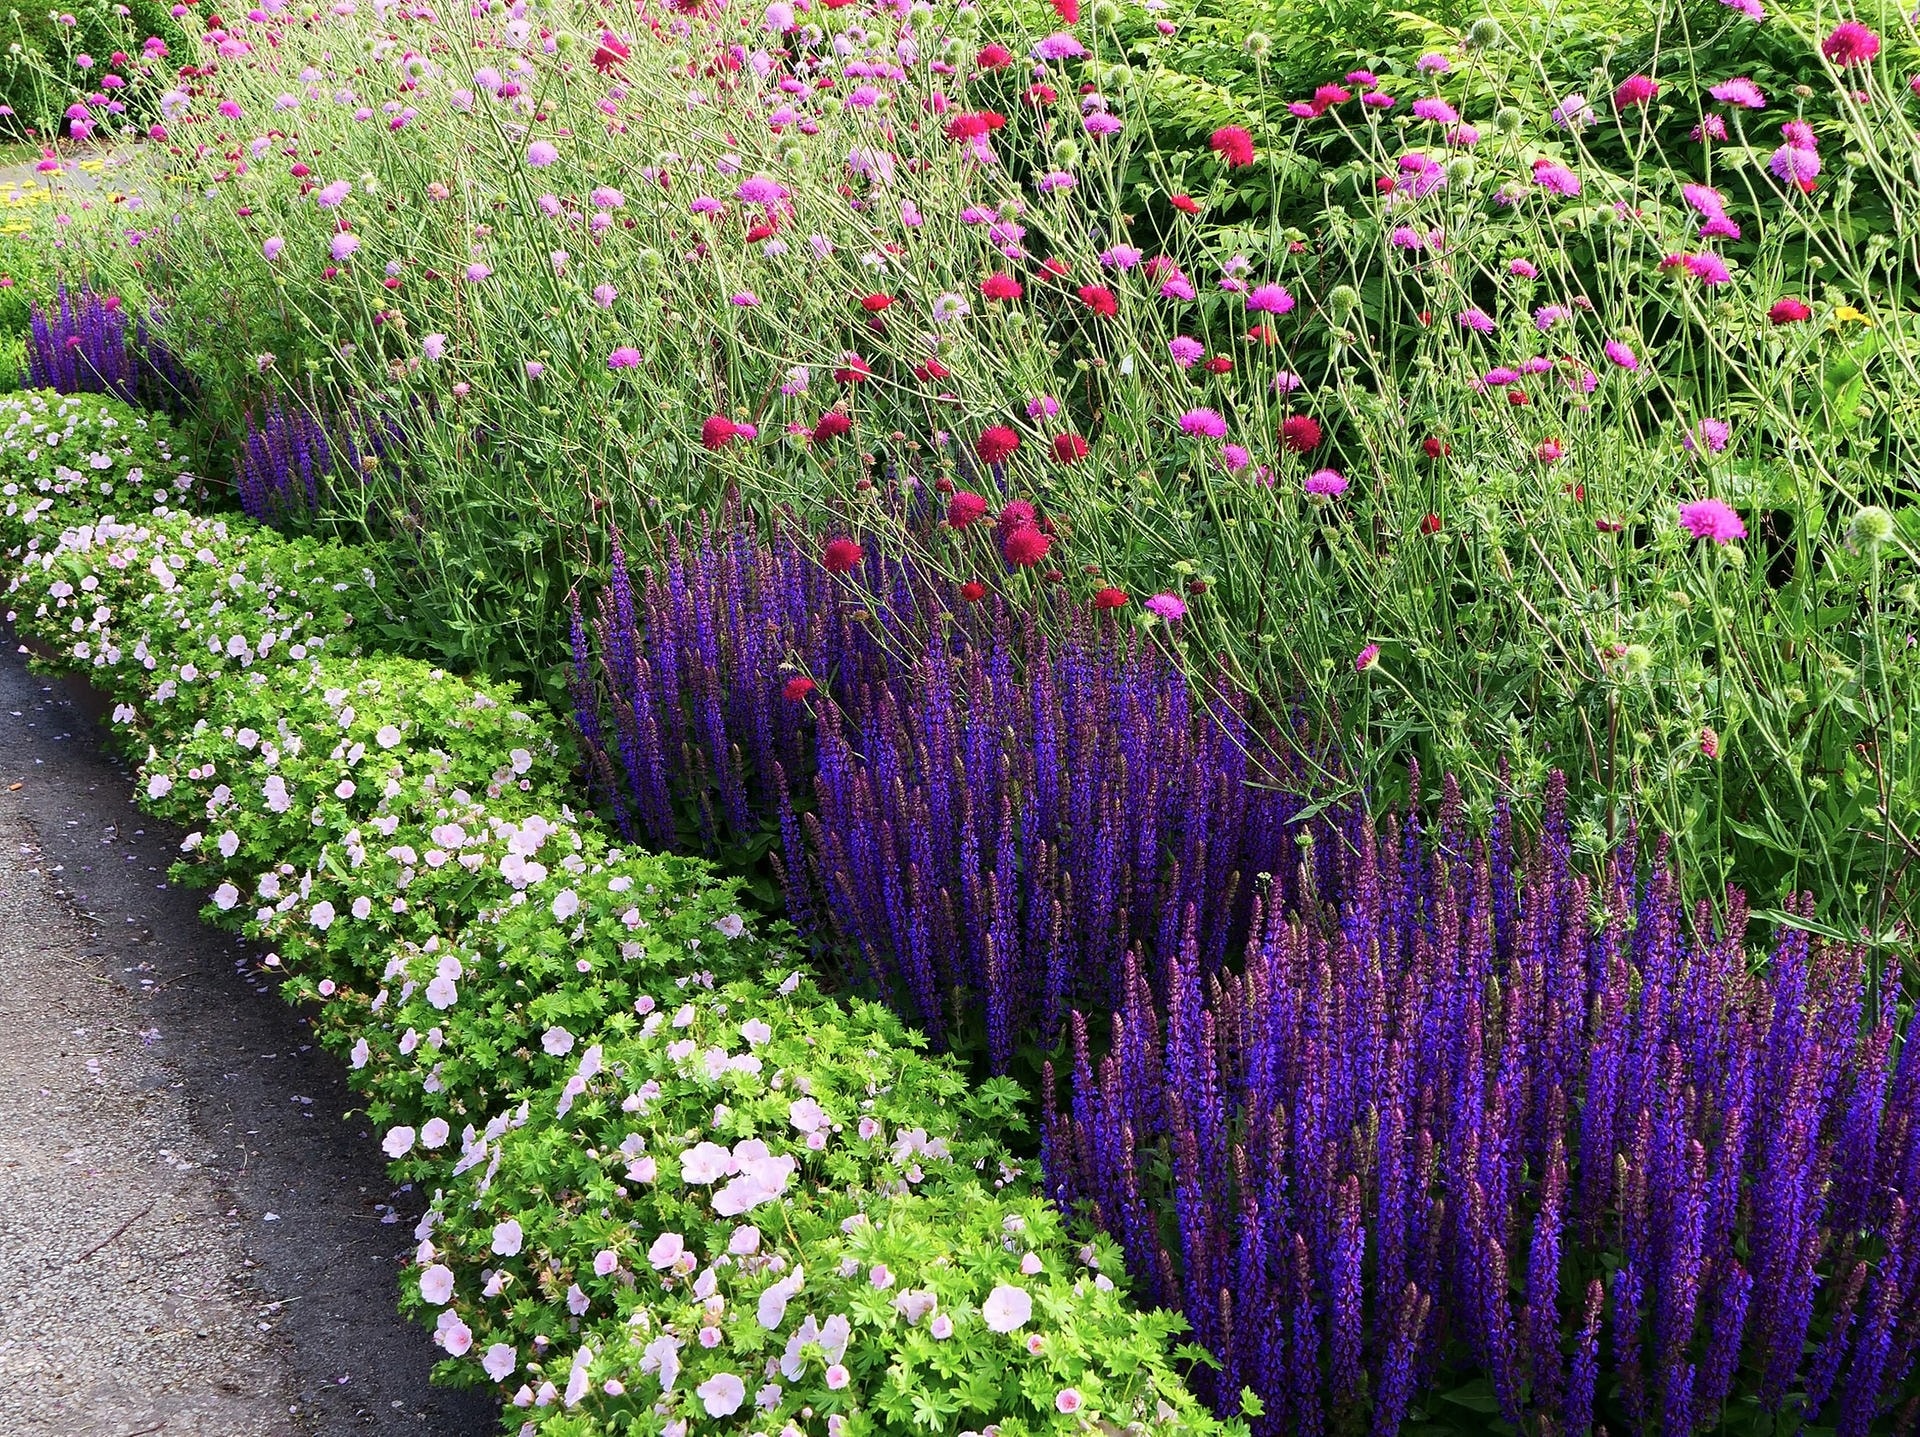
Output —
(1846, 313)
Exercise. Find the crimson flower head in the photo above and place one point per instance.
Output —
(1232, 144)
(854, 369)
(1186, 204)
(1017, 512)
(841, 555)
(1634, 91)
(1789, 311)
(1109, 598)
(1000, 286)
(1025, 546)
(1851, 43)
(994, 57)
(1430, 524)
(996, 444)
(1219, 364)
(1099, 299)
(973, 591)
(874, 303)
(795, 690)
(718, 432)
(1067, 10)
(1038, 95)
(1435, 448)
(609, 52)
(1300, 433)
(1069, 448)
(966, 508)
(928, 370)
(830, 425)
(972, 124)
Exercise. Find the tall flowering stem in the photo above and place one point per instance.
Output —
(83, 344)
(990, 818)
(1590, 1153)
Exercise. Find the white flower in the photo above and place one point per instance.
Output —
(360, 1053)
(1006, 1309)
(772, 1310)
(557, 1042)
(322, 915)
(362, 906)
(806, 1115)
(434, 1133)
(914, 1304)
(159, 786)
(755, 1032)
(566, 903)
(443, 993)
(225, 896)
(278, 799)
(732, 926)
(388, 736)
(705, 1163)
(666, 1250)
(520, 759)
(507, 1238)
(577, 1377)
(500, 1361)
(722, 1394)
(398, 1142)
(454, 1335)
(436, 1284)
(662, 1355)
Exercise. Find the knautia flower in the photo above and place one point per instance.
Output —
(1713, 519)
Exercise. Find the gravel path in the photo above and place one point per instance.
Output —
(192, 1240)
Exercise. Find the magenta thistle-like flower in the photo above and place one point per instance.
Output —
(1713, 519)
(625, 357)
(1326, 483)
(1167, 607)
(1203, 423)
(1850, 43)
(1622, 355)
(1269, 299)
(1366, 658)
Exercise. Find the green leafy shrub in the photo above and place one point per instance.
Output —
(767, 1208)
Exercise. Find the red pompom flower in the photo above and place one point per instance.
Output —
(1232, 144)
(841, 555)
(996, 444)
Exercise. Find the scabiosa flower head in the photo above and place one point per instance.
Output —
(1326, 483)
(1521, 269)
(1042, 406)
(1800, 133)
(1025, 545)
(1556, 178)
(343, 245)
(1433, 63)
(1120, 256)
(1850, 43)
(1739, 91)
(271, 247)
(949, 307)
(1550, 451)
(993, 57)
(1186, 352)
(1232, 144)
(966, 508)
(1000, 287)
(1300, 433)
(541, 153)
(1794, 164)
(1015, 513)
(718, 432)
(1366, 658)
(625, 357)
(1789, 311)
(1058, 46)
(1709, 742)
(1713, 519)
(841, 555)
(434, 346)
(1548, 315)
(830, 425)
(1429, 107)
(1622, 355)
(1207, 423)
(973, 591)
(1069, 448)
(1269, 299)
(1713, 433)
(1168, 608)
(1634, 91)
(1286, 382)
(1098, 299)
(996, 444)
(1109, 598)
(1476, 319)
(1708, 268)
(1572, 113)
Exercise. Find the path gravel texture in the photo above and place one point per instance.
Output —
(193, 1238)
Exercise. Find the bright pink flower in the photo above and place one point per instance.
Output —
(1713, 519)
